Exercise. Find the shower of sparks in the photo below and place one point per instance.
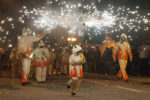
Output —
(77, 17)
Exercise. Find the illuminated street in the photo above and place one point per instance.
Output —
(102, 88)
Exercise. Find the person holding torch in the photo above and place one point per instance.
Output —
(25, 44)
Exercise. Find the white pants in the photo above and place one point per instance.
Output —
(41, 73)
(50, 69)
(25, 69)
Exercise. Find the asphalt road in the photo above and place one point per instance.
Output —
(91, 89)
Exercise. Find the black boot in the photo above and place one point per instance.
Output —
(40, 82)
(73, 94)
(118, 78)
(127, 81)
(28, 83)
(25, 84)
(43, 82)
(68, 87)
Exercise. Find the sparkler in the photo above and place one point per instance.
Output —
(124, 18)
(69, 14)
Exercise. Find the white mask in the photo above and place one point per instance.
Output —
(26, 31)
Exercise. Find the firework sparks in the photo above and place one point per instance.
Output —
(75, 15)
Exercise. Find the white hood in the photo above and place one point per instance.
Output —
(76, 48)
(123, 34)
(26, 31)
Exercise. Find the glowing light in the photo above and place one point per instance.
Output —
(3, 21)
(9, 19)
(10, 45)
(74, 39)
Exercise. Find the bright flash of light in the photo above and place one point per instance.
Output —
(10, 45)
(106, 20)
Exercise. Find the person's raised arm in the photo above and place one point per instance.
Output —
(115, 49)
(39, 37)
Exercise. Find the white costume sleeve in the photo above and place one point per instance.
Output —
(74, 59)
(39, 37)
(20, 45)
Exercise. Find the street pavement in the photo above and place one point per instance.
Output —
(93, 87)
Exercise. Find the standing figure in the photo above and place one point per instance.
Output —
(51, 59)
(1, 52)
(32, 73)
(109, 66)
(85, 52)
(65, 62)
(144, 58)
(91, 57)
(14, 63)
(75, 69)
(58, 63)
(41, 55)
(123, 50)
(25, 44)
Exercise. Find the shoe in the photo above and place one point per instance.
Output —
(43, 82)
(73, 94)
(68, 87)
(40, 82)
(127, 81)
(118, 78)
(24, 84)
(28, 83)
(49, 75)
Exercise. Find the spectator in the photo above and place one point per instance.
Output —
(91, 59)
(144, 54)
(98, 59)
